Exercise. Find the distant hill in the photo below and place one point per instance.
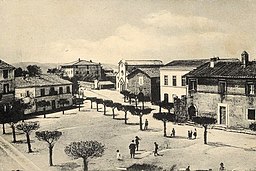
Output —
(46, 66)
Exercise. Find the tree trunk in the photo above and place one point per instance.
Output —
(130, 100)
(85, 164)
(63, 109)
(205, 134)
(125, 117)
(28, 141)
(97, 107)
(104, 110)
(141, 122)
(142, 105)
(50, 155)
(113, 110)
(44, 113)
(160, 109)
(164, 128)
(79, 107)
(13, 133)
(136, 103)
(91, 104)
(3, 129)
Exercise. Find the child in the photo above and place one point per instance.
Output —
(118, 155)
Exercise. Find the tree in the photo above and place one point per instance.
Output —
(115, 105)
(92, 99)
(125, 93)
(44, 104)
(205, 121)
(85, 150)
(126, 109)
(18, 72)
(34, 70)
(140, 113)
(252, 126)
(180, 109)
(141, 99)
(79, 101)
(132, 96)
(167, 106)
(98, 101)
(107, 103)
(164, 117)
(55, 71)
(63, 102)
(50, 137)
(27, 128)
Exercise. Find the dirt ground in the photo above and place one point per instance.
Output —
(236, 151)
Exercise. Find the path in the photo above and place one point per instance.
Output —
(16, 155)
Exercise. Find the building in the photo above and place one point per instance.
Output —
(6, 86)
(172, 82)
(84, 70)
(125, 67)
(224, 90)
(145, 80)
(50, 88)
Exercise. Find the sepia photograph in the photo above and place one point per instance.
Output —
(127, 85)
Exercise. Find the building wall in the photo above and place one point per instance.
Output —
(169, 89)
(7, 97)
(135, 87)
(68, 72)
(83, 70)
(207, 100)
(121, 80)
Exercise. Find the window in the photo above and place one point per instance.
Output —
(77, 72)
(251, 114)
(166, 97)
(249, 89)
(27, 94)
(174, 80)
(122, 73)
(5, 74)
(42, 92)
(88, 72)
(60, 90)
(6, 88)
(183, 81)
(68, 89)
(165, 79)
(222, 87)
(192, 86)
(140, 80)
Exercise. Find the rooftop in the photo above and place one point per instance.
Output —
(80, 62)
(4, 65)
(225, 69)
(143, 62)
(39, 81)
(193, 63)
(150, 72)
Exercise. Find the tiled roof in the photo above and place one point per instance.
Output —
(151, 72)
(225, 69)
(143, 62)
(4, 65)
(42, 80)
(80, 62)
(187, 63)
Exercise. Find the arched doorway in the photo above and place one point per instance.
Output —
(191, 111)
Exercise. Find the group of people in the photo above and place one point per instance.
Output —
(191, 134)
(134, 145)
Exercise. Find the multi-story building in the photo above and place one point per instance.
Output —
(125, 67)
(145, 80)
(84, 70)
(50, 88)
(224, 90)
(172, 80)
(6, 85)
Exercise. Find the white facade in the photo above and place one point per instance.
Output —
(121, 79)
(68, 72)
(171, 83)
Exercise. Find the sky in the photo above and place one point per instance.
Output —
(106, 31)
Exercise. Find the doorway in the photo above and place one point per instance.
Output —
(53, 105)
(223, 114)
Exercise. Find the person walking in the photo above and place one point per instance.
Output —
(132, 148)
(195, 133)
(146, 125)
(173, 132)
(137, 139)
(222, 168)
(156, 149)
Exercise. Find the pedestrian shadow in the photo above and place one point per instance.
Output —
(68, 166)
(85, 110)
(177, 137)
(152, 130)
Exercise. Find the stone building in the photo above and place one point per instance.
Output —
(125, 67)
(145, 80)
(84, 70)
(225, 90)
(49, 88)
(6, 86)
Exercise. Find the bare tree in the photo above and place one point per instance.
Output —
(205, 121)
(50, 137)
(85, 150)
(27, 128)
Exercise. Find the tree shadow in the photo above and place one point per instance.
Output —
(70, 113)
(51, 117)
(24, 141)
(152, 130)
(132, 123)
(108, 114)
(119, 118)
(85, 110)
(16, 133)
(219, 144)
(177, 137)
(68, 166)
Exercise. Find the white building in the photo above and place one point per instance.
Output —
(172, 82)
(125, 67)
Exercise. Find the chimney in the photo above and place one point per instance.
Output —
(79, 59)
(245, 59)
(91, 61)
(213, 61)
